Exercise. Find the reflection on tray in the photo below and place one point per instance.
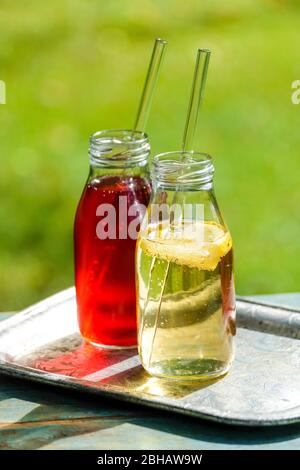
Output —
(120, 368)
(137, 381)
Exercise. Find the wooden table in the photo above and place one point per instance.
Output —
(39, 417)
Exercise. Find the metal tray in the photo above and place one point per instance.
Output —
(42, 344)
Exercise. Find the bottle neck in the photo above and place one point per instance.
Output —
(183, 188)
(160, 186)
(124, 173)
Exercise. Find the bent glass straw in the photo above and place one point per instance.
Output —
(150, 83)
(196, 98)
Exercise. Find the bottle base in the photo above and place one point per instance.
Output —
(187, 370)
(109, 346)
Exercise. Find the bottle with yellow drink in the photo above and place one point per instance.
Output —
(186, 300)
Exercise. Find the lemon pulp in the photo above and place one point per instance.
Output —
(194, 244)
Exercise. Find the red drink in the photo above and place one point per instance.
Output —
(104, 268)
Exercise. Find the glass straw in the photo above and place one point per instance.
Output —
(196, 98)
(197, 94)
(150, 83)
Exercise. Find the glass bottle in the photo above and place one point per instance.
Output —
(107, 220)
(186, 299)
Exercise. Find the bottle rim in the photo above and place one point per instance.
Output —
(119, 148)
(181, 167)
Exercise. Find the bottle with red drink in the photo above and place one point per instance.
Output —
(107, 222)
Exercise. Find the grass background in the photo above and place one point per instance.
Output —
(74, 67)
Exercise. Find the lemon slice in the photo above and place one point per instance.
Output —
(194, 244)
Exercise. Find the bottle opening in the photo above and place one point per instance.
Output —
(119, 148)
(182, 168)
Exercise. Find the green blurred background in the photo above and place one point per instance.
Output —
(74, 67)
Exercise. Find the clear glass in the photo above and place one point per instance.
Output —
(104, 250)
(186, 299)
